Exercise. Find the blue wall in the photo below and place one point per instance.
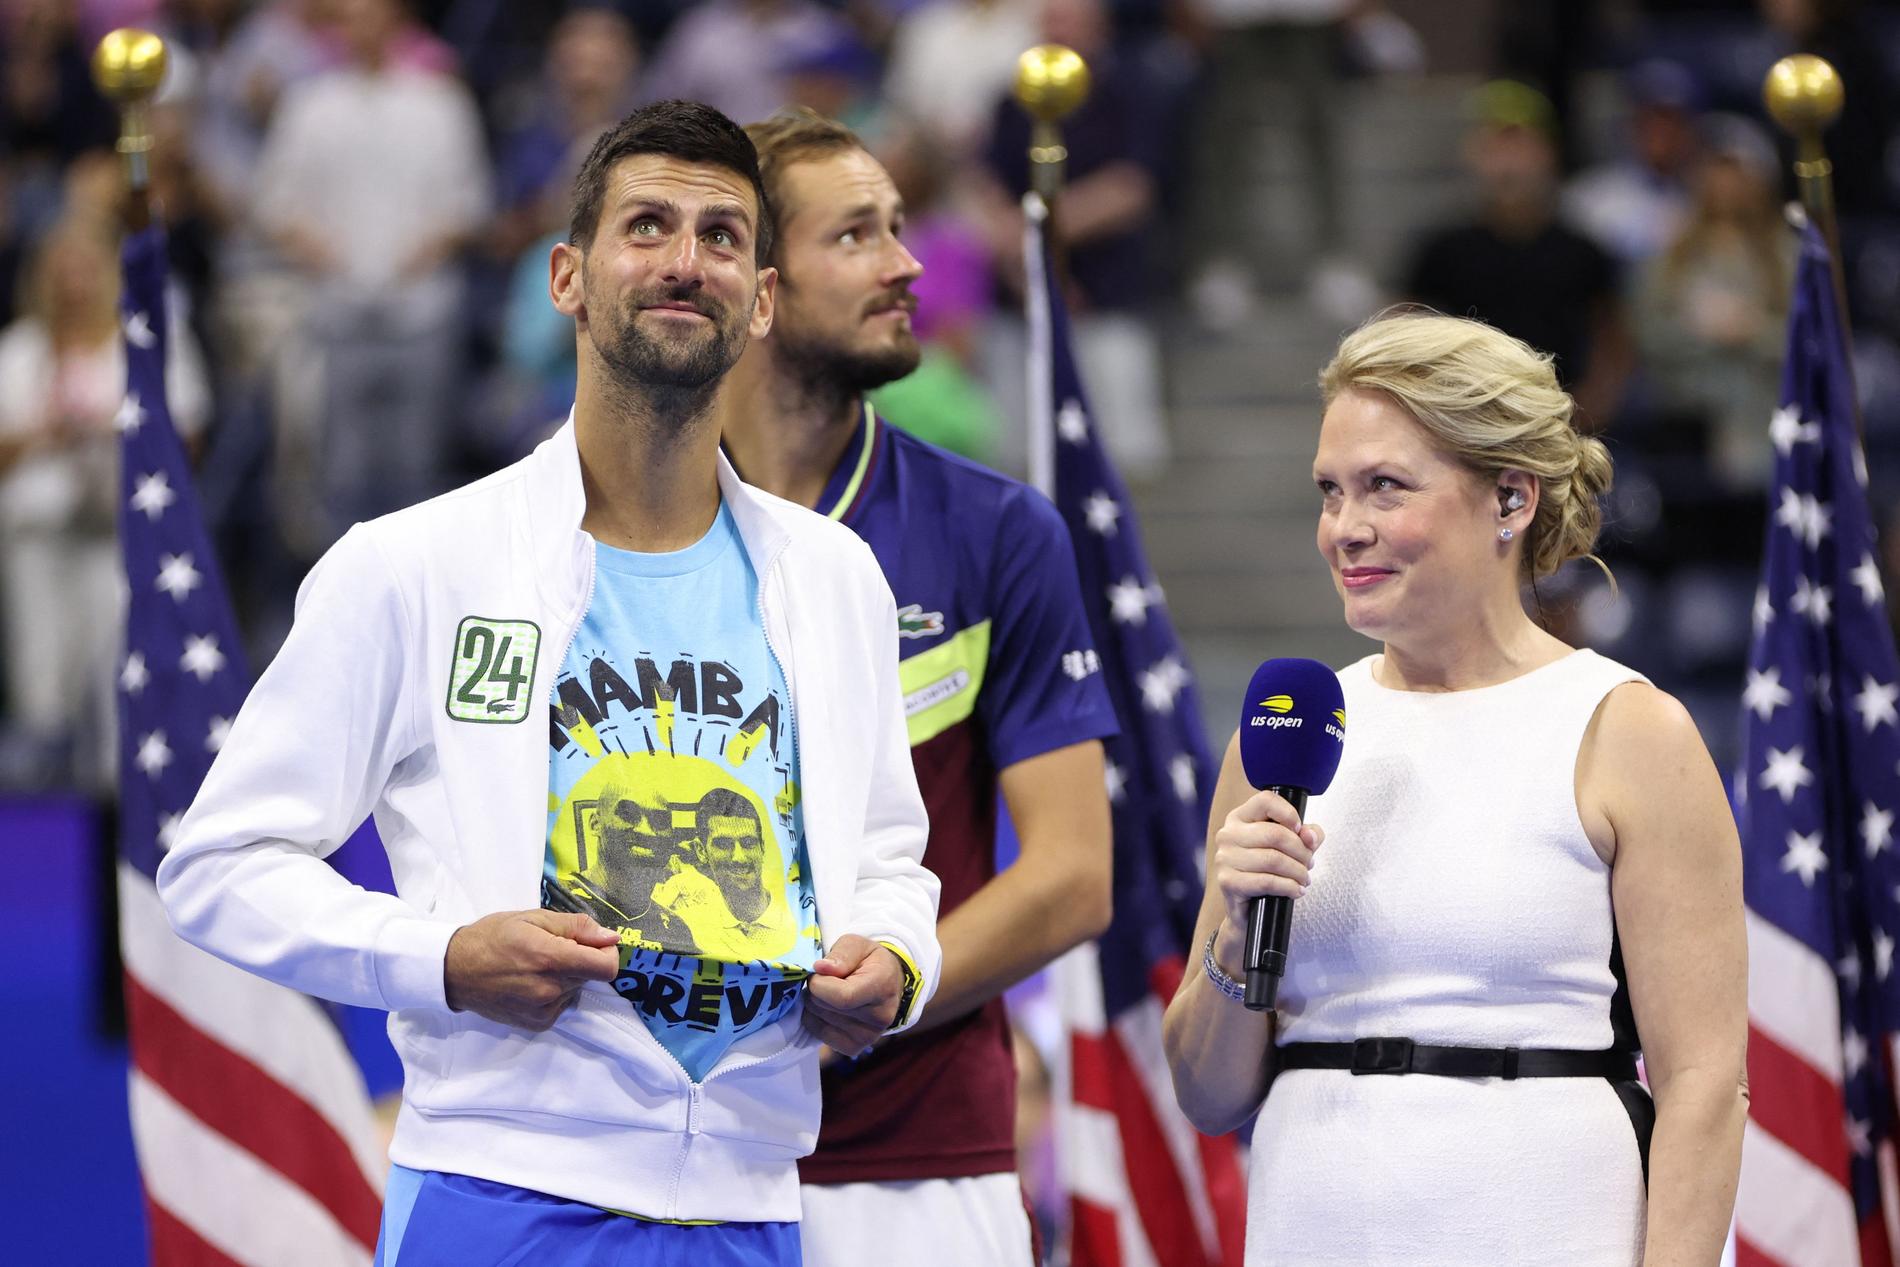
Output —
(69, 1186)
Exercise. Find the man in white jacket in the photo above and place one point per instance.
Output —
(533, 684)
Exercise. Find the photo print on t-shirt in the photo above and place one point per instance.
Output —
(673, 799)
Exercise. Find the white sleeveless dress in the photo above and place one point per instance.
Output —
(1456, 901)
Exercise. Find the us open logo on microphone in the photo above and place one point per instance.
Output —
(1338, 732)
(1280, 704)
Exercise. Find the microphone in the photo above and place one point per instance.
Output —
(1292, 731)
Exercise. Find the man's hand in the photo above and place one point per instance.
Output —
(853, 993)
(524, 968)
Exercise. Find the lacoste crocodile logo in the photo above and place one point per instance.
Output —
(914, 622)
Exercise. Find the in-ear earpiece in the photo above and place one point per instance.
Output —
(1513, 501)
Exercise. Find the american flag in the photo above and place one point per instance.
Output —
(254, 1132)
(1145, 1188)
(1816, 802)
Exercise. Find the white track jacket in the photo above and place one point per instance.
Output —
(366, 711)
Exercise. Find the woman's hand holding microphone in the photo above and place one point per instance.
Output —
(1261, 850)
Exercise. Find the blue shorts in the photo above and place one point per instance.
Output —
(432, 1219)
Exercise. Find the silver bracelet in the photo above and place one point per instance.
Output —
(1222, 982)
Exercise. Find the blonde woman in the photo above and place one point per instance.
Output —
(62, 381)
(1712, 310)
(1527, 862)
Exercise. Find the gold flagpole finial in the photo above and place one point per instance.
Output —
(1803, 93)
(1052, 81)
(128, 66)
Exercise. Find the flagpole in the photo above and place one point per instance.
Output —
(1804, 94)
(128, 66)
(1051, 82)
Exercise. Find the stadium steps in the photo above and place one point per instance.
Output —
(1230, 525)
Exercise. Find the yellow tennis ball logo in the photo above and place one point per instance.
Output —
(1340, 715)
(1278, 703)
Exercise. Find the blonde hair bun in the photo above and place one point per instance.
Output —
(1494, 404)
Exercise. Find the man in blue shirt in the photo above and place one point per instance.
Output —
(1001, 693)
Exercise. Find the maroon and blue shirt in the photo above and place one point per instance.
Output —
(997, 666)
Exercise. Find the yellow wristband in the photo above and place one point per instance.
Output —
(912, 980)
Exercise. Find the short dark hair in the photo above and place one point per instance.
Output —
(723, 802)
(685, 130)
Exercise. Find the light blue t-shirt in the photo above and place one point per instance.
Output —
(673, 802)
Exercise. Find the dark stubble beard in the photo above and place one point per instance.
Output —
(678, 372)
(834, 369)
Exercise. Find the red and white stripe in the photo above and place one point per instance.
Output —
(254, 1132)
(1146, 1189)
(1794, 1207)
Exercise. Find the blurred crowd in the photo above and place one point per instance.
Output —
(361, 196)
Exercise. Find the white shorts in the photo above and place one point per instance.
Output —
(976, 1222)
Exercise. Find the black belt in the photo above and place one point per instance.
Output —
(1402, 1055)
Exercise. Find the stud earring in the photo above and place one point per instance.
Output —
(1505, 534)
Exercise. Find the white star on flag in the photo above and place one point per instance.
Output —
(1822, 691)
(1765, 692)
(1160, 684)
(202, 657)
(1764, 610)
(1804, 856)
(154, 754)
(138, 330)
(134, 676)
(1883, 954)
(1181, 773)
(1853, 1051)
(1876, 828)
(153, 495)
(1875, 703)
(1129, 601)
(1115, 779)
(1816, 602)
(1867, 577)
(131, 415)
(1859, 454)
(177, 576)
(1804, 516)
(219, 732)
(1102, 511)
(1071, 423)
(1849, 968)
(168, 830)
(1786, 430)
(1860, 1136)
(1786, 773)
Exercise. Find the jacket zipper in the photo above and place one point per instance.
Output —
(695, 1093)
(695, 1103)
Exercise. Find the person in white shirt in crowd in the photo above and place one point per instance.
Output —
(952, 60)
(372, 180)
(62, 396)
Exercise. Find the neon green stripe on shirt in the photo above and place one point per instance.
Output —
(940, 685)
